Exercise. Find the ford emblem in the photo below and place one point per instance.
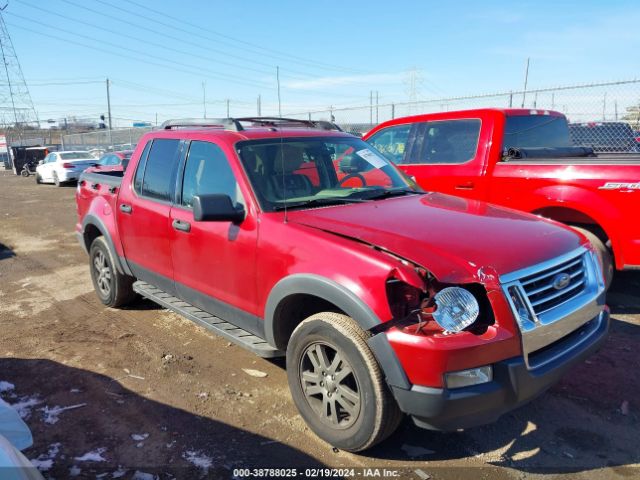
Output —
(561, 281)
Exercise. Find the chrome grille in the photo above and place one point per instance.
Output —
(541, 292)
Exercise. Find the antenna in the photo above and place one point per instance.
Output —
(16, 107)
(284, 184)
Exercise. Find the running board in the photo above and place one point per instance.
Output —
(218, 326)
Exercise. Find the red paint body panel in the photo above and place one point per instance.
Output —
(358, 246)
(567, 190)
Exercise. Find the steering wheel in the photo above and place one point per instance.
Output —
(353, 175)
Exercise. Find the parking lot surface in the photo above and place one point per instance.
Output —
(142, 391)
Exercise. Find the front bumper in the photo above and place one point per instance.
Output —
(513, 383)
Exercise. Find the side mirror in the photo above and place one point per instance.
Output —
(41, 162)
(216, 207)
(125, 164)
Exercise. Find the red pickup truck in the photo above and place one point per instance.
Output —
(523, 159)
(292, 238)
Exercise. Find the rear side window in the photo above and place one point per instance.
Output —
(449, 142)
(137, 182)
(391, 142)
(158, 172)
(208, 171)
(536, 131)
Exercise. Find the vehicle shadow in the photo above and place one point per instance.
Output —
(125, 432)
(588, 421)
(624, 295)
(5, 252)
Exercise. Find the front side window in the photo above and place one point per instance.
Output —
(158, 172)
(207, 171)
(392, 142)
(448, 141)
(315, 171)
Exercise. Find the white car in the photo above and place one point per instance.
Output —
(61, 167)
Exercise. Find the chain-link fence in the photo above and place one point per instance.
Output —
(120, 139)
(605, 116)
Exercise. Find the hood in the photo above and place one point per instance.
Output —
(451, 237)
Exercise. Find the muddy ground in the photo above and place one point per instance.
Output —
(153, 394)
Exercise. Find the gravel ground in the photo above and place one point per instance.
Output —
(141, 392)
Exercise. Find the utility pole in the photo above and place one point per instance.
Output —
(604, 107)
(371, 107)
(204, 99)
(156, 119)
(228, 108)
(553, 101)
(279, 101)
(377, 104)
(259, 106)
(109, 113)
(615, 107)
(526, 79)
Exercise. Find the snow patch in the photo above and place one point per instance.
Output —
(51, 414)
(138, 475)
(74, 471)
(198, 459)
(44, 462)
(139, 437)
(6, 387)
(94, 456)
(24, 406)
(119, 473)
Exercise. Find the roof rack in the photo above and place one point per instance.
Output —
(226, 123)
(281, 121)
(235, 124)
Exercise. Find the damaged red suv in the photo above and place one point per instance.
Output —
(293, 238)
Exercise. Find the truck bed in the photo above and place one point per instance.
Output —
(606, 159)
(113, 178)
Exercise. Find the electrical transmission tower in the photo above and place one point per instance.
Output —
(413, 83)
(17, 112)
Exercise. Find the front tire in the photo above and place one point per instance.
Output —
(337, 384)
(603, 252)
(113, 288)
(38, 179)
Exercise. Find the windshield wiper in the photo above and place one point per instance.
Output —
(392, 193)
(318, 202)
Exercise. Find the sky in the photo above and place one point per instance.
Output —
(165, 57)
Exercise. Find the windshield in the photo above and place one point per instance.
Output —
(305, 172)
(536, 131)
(76, 156)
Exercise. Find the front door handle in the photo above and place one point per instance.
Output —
(124, 208)
(465, 186)
(182, 226)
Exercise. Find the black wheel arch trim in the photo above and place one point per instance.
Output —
(120, 263)
(321, 287)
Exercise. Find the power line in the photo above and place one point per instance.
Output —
(166, 35)
(261, 50)
(198, 73)
(139, 39)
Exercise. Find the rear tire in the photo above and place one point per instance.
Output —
(113, 288)
(603, 252)
(24, 173)
(337, 384)
(56, 180)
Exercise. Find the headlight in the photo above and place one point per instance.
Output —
(457, 309)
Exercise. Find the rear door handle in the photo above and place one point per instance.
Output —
(465, 186)
(182, 226)
(124, 208)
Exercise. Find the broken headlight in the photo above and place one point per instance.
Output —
(456, 309)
